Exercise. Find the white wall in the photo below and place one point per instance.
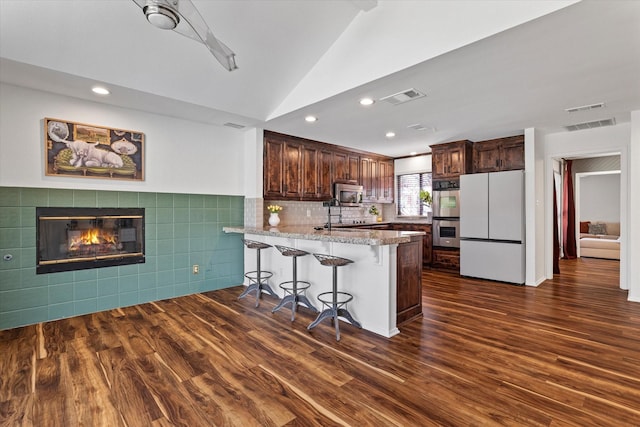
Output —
(181, 156)
(599, 197)
(634, 208)
(593, 142)
(535, 238)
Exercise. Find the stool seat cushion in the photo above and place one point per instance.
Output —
(332, 261)
(252, 244)
(287, 251)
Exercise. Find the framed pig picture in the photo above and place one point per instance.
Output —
(91, 151)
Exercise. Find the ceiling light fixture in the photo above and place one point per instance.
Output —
(100, 90)
(161, 16)
(311, 119)
(366, 101)
(390, 134)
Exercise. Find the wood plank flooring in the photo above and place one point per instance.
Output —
(564, 354)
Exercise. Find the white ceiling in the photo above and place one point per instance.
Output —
(489, 68)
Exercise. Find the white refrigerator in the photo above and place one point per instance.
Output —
(492, 226)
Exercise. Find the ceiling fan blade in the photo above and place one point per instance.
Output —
(192, 25)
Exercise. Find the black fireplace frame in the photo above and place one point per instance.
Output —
(95, 262)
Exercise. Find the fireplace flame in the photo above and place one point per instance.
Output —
(93, 236)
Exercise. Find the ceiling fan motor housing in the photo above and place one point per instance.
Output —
(161, 16)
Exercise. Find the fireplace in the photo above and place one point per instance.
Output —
(82, 238)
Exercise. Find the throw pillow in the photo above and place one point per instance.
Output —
(597, 229)
(584, 226)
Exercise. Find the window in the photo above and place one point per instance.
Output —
(409, 187)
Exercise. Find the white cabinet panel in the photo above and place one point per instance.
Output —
(474, 206)
(506, 205)
(492, 260)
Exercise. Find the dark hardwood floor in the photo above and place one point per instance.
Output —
(564, 354)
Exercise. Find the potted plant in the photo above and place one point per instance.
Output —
(425, 197)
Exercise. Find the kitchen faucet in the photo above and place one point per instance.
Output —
(328, 204)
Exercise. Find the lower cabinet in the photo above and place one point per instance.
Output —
(446, 258)
(427, 242)
(409, 281)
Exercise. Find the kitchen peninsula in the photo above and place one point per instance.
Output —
(385, 278)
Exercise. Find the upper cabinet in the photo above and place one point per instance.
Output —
(385, 192)
(300, 169)
(451, 160)
(282, 169)
(316, 169)
(500, 154)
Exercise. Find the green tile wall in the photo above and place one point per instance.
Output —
(180, 230)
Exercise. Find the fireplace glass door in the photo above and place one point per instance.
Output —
(81, 238)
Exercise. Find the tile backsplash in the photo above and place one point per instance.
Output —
(314, 213)
(181, 230)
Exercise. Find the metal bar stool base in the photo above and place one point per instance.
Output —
(295, 299)
(335, 301)
(294, 289)
(258, 287)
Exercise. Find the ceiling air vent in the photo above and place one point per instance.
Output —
(585, 107)
(590, 125)
(234, 125)
(421, 127)
(402, 97)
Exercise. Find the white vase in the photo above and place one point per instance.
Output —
(274, 219)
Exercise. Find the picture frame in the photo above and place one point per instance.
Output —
(84, 150)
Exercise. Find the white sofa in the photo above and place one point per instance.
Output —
(598, 243)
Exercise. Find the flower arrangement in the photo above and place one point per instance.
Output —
(373, 210)
(274, 208)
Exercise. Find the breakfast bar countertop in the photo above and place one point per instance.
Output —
(339, 235)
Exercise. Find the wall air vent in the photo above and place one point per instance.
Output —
(402, 97)
(234, 125)
(585, 107)
(590, 125)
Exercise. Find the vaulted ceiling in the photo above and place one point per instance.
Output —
(488, 68)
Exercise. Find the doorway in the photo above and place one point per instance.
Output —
(598, 205)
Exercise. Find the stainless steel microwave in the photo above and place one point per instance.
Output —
(348, 194)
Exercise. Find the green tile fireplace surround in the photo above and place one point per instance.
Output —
(180, 230)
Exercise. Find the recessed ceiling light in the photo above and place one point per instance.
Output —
(311, 119)
(366, 101)
(413, 153)
(100, 90)
(390, 134)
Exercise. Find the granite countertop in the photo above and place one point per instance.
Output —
(339, 235)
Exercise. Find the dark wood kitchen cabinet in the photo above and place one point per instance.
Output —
(427, 242)
(316, 173)
(452, 159)
(301, 169)
(501, 154)
(385, 181)
(346, 166)
(409, 280)
(282, 169)
(446, 258)
(369, 178)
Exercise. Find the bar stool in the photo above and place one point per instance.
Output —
(334, 301)
(294, 289)
(258, 278)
